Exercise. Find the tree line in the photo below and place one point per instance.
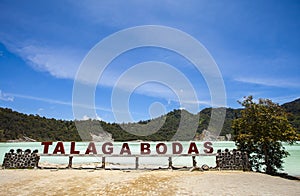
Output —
(15, 125)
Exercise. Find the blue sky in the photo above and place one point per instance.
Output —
(256, 45)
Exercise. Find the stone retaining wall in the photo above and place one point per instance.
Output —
(20, 159)
(232, 160)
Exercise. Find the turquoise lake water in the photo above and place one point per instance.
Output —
(291, 163)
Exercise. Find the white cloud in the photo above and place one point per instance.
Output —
(40, 109)
(60, 62)
(269, 82)
(205, 103)
(86, 117)
(284, 99)
(63, 62)
(11, 96)
(6, 97)
(40, 99)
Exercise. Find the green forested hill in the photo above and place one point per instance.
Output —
(15, 125)
(293, 108)
(230, 115)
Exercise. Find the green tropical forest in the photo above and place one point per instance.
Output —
(17, 126)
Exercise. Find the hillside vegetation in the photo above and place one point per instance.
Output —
(15, 125)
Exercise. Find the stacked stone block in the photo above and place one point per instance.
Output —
(20, 159)
(232, 160)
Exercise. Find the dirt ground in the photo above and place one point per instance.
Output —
(140, 182)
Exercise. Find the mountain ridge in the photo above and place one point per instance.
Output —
(15, 125)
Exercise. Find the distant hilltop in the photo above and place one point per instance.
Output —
(18, 127)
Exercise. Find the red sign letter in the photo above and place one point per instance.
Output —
(125, 148)
(91, 148)
(109, 149)
(59, 148)
(193, 148)
(46, 146)
(179, 145)
(164, 148)
(145, 147)
(209, 148)
(73, 151)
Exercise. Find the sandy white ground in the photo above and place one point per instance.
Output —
(104, 182)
